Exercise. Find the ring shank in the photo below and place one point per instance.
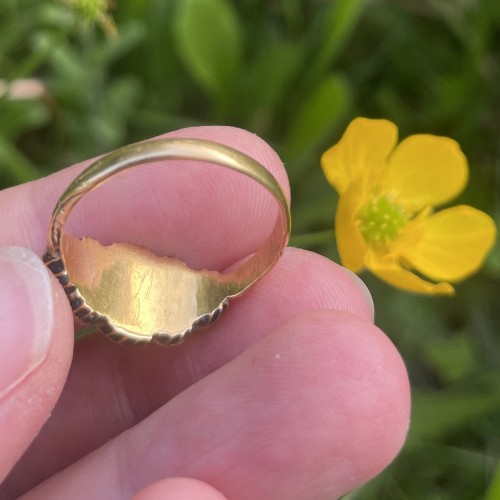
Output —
(133, 295)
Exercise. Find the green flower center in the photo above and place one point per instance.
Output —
(381, 220)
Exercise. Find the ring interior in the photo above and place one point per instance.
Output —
(141, 293)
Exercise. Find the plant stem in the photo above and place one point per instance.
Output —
(311, 239)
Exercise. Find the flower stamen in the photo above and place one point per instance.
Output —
(381, 220)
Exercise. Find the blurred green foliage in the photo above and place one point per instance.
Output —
(296, 72)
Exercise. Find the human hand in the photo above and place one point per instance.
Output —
(293, 393)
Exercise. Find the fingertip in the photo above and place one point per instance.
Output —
(241, 140)
(27, 315)
(349, 415)
(35, 349)
(303, 280)
(363, 291)
(371, 391)
(313, 410)
(179, 488)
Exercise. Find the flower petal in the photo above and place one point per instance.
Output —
(425, 170)
(362, 151)
(350, 242)
(392, 273)
(454, 244)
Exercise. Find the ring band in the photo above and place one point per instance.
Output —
(129, 293)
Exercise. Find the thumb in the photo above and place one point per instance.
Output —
(36, 341)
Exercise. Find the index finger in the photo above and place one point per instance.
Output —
(207, 216)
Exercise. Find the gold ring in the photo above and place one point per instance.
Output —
(133, 295)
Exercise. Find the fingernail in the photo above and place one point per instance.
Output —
(26, 315)
(363, 288)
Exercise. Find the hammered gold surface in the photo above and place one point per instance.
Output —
(139, 291)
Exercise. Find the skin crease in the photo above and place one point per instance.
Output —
(293, 393)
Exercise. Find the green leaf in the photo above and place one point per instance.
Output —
(15, 163)
(452, 356)
(274, 71)
(493, 492)
(492, 265)
(209, 37)
(21, 116)
(318, 115)
(340, 20)
(436, 414)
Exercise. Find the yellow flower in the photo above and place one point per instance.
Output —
(385, 221)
